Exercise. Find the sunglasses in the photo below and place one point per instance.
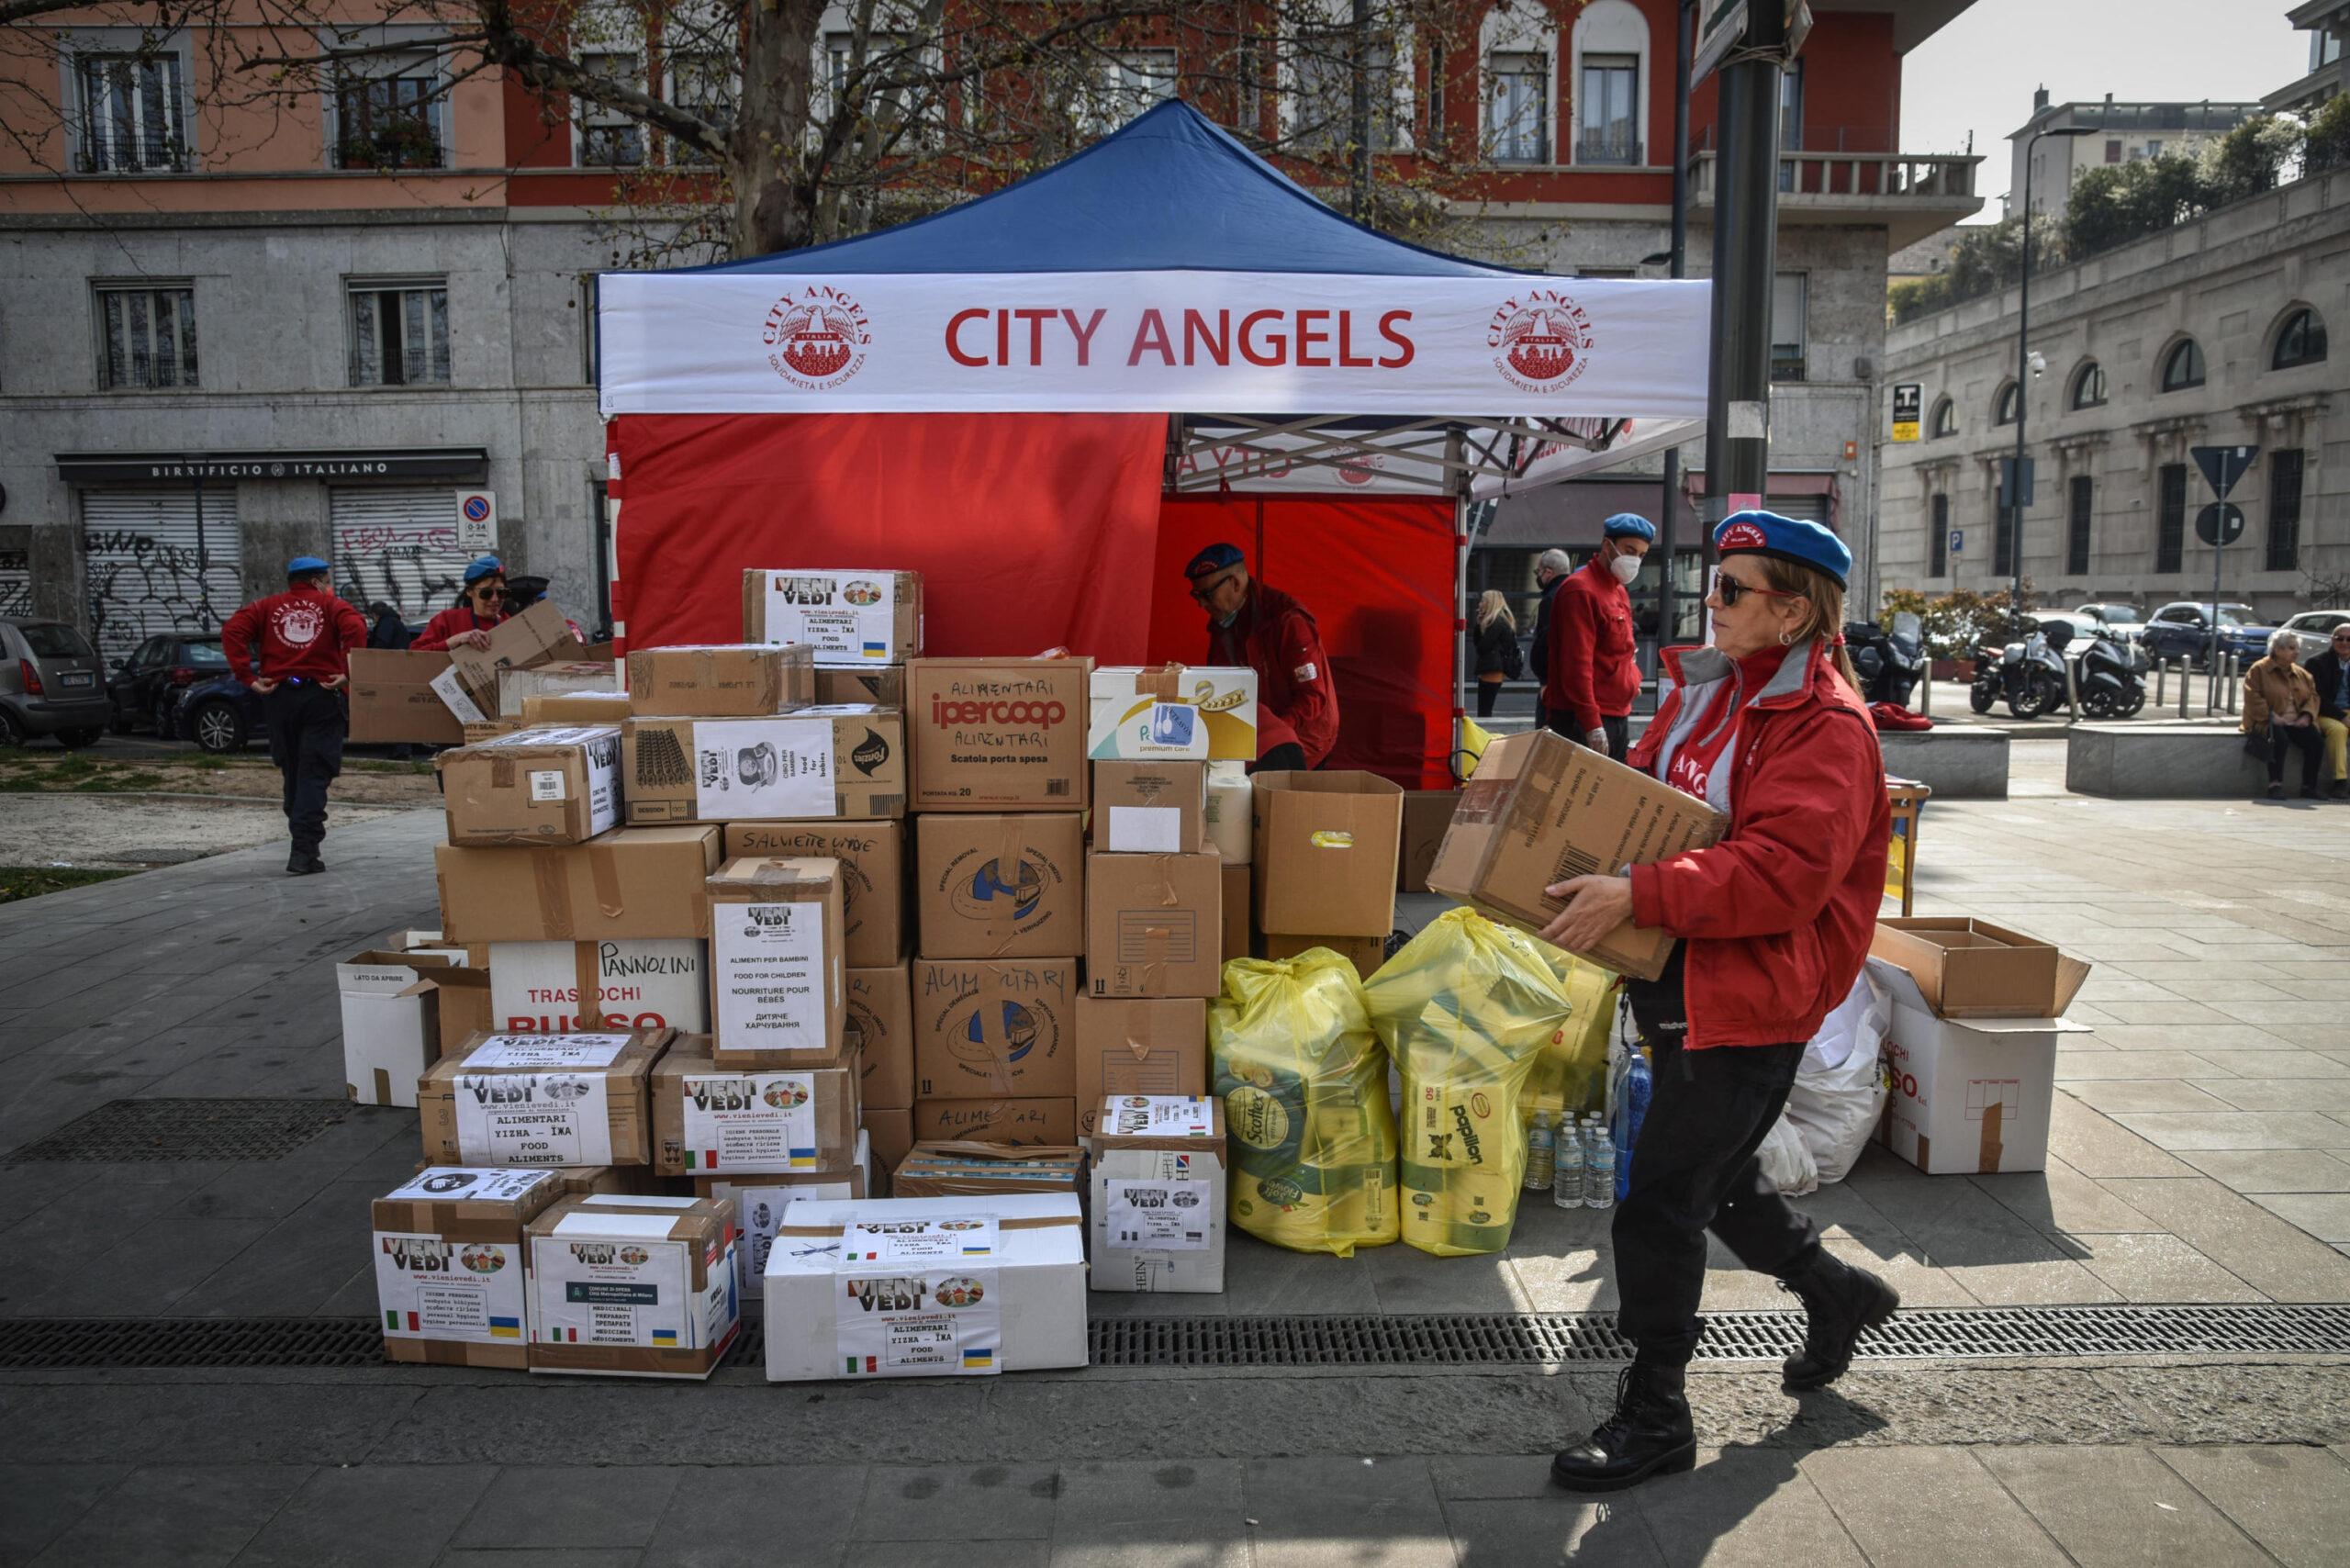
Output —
(1730, 590)
(1206, 591)
(489, 593)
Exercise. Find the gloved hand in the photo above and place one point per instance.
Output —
(1598, 740)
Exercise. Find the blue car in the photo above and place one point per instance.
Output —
(220, 713)
(2182, 630)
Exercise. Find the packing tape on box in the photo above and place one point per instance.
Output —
(550, 873)
(1160, 685)
(587, 974)
(1227, 819)
(1002, 924)
(604, 872)
(501, 771)
(1131, 1029)
(383, 1086)
(1022, 1222)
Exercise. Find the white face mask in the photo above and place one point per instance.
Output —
(1625, 568)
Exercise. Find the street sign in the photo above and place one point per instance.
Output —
(476, 519)
(1908, 399)
(2007, 481)
(2219, 524)
(1957, 540)
(1721, 26)
(2223, 466)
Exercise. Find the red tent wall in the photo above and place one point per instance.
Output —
(1376, 572)
(1032, 531)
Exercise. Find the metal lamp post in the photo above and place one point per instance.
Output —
(2023, 373)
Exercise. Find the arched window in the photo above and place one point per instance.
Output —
(2003, 407)
(2183, 366)
(2301, 341)
(2088, 386)
(1945, 418)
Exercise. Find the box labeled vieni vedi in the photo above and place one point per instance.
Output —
(1539, 809)
(633, 1287)
(543, 1099)
(1149, 808)
(639, 881)
(997, 735)
(543, 785)
(999, 885)
(849, 618)
(721, 681)
(803, 766)
(449, 1274)
(759, 1201)
(873, 876)
(988, 1027)
(708, 1120)
(1325, 848)
(775, 962)
(1154, 924)
(1159, 1193)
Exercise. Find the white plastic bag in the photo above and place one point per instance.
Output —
(1786, 1161)
(1839, 1089)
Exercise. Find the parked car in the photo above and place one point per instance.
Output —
(2315, 629)
(51, 683)
(147, 684)
(2125, 620)
(2181, 630)
(219, 712)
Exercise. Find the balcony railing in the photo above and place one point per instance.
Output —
(1599, 147)
(1896, 176)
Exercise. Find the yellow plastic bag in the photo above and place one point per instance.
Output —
(1304, 1088)
(1571, 1075)
(1467, 1009)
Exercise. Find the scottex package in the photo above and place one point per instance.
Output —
(1571, 1075)
(1466, 1009)
(1304, 1087)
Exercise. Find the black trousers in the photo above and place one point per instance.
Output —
(307, 726)
(1619, 732)
(1488, 693)
(1694, 1170)
(2302, 735)
(1287, 757)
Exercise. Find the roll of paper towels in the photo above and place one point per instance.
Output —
(1227, 817)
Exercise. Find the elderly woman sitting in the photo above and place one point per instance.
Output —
(2281, 701)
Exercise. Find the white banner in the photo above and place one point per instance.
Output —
(1152, 343)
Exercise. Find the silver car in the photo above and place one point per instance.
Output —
(2314, 630)
(51, 683)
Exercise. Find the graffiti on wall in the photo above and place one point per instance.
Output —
(15, 585)
(417, 569)
(140, 585)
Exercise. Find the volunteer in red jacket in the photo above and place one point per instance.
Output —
(1248, 624)
(468, 623)
(305, 636)
(1767, 726)
(1593, 672)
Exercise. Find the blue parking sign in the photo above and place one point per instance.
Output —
(1957, 540)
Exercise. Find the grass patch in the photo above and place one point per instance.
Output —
(32, 881)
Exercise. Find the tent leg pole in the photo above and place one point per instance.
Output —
(1452, 451)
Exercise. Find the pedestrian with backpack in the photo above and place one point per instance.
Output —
(1499, 659)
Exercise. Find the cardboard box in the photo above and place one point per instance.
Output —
(544, 786)
(1971, 968)
(1969, 1096)
(988, 1170)
(1427, 814)
(630, 983)
(490, 728)
(879, 1027)
(449, 1269)
(1138, 1045)
(1237, 909)
(994, 1027)
(721, 681)
(708, 1120)
(997, 735)
(1365, 953)
(1154, 924)
(810, 765)
(862, 617)
(517, 687)
(775, 962)
(883, 686)
(456, 1004)
(760, 1201)
(541, 1099)
(1541, 810)
(393, 703)
(892, 1132)
(1230, 818)
(999, 886)
(1149, 808)
(390, 1032)
(1159, 1194)
(638, 881)
(540, 635)
(1173, 710)
(937, 1296)
(576, 707)
(1325, 849)
(633, 1287)
(873, 876)
(1025, 1119)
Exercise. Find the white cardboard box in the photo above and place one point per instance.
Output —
(640, 982)
(1200, 712)
(1011, 1297)
(760, 1201)
(388, 1039)
(606, 1276)
(1159, 1194)
(1970, 1096)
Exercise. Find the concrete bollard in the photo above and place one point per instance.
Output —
(2234, 681)
(2072, 689)
(2184, 682)
(2162, 681)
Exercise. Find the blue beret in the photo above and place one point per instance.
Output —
(1628, 525)
(1213, 559)
(1787, 538)
(303, 566)
(484, 567)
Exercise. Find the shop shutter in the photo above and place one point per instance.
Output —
(1802, 509)
(397, 544)
(15, 585)
(147, 568)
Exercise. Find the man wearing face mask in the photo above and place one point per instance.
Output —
(1264, 629)
(1593, 672)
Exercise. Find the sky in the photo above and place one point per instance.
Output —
(1978, 72)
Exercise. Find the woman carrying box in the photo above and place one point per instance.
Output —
(1767, 725)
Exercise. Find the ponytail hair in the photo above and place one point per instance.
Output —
(1824, 621)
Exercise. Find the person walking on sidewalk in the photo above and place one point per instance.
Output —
(1767, 726)
(304, 638)
(2280, 705)
(1549, 571)
(1498, 659)
(1594, 670)
(2331, 671)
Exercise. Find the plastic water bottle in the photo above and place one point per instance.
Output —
(1541, 1154)
(1566, 1180)
(1640, 1087)
(1600, 1192)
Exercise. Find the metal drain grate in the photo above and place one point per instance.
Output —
(1528, 1339)
(188, 1129)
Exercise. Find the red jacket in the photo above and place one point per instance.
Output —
(1779, 912)
(457, 618)
(304, 632)
(1594, 671)
(1295, 700)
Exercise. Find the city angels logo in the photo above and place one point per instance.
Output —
(1541, 340)
(816, 337)
(299, 624)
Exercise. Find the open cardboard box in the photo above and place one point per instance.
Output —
(1971, 968)
(1970, 1095)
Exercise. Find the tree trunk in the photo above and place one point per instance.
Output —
(774, 197)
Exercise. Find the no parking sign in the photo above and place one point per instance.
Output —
(476, 519)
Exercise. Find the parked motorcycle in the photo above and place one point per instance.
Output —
(2112, 678)
(1890, 664)
(2031, 672)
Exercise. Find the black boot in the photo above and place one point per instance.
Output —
(304, 864)
(1840, 1303)
(1650, 1433)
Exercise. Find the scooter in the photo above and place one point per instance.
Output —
(2112, 678)
(2031, 672)
(1890, 664)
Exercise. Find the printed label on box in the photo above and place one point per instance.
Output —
(454, 696)
(941, 1323)
(546, 784)
(548, 1050)
(534, 1118)
(847, 617)
(750, 1121)
(933, 1239)
(433, 1289)
(1172, 1216)
(760, 1213)
(611, 1289)
(1145, 830)
(1162, 1115)
(771, 976)
(469, 1183)
(642, 982)
(763, 767)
